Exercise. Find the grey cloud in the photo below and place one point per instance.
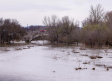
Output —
(23, 7)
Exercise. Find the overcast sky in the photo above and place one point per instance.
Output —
(32, 12)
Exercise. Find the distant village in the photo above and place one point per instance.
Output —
(36, 28)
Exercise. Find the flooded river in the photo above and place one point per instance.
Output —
(38, 62)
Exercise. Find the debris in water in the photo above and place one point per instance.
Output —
(93, 68)
(76, 52)
(107, 69)
(84, 68)
(6, 50)
(25, 48)
(54, 71)
(18, 48)
(84, 54)
(93, 57)
(99, 57)
(86, 62)
(76, 68)
(83, 49)
(63, 50)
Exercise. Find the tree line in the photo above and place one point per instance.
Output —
(96, 28)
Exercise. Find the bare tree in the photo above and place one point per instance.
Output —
(96, 14)
(108, 19)
(94, 27)
(61, 30)
(69, 30)
(53, 28)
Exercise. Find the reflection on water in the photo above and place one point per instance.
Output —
(38, 62)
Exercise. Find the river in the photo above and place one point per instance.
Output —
(38, 62)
